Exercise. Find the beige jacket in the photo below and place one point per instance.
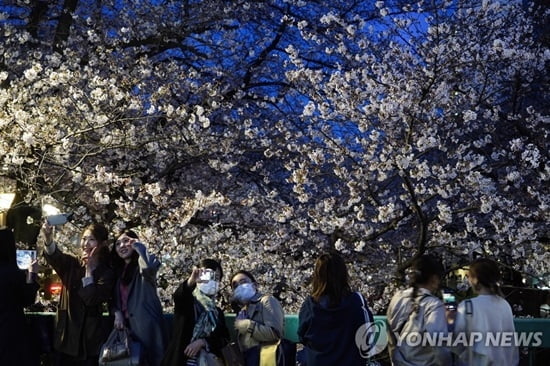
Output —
(265, 322)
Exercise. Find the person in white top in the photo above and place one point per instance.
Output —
(484, 325)
(417, 319)
(545, 308)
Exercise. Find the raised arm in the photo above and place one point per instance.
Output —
(148, 263)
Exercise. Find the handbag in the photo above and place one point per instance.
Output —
(207, 358)
(116, 346)
(232, 355)
(280, 353)
(120, 350)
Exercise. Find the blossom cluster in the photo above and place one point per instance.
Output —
(264, 133)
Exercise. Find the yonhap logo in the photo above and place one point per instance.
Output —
(371, 338)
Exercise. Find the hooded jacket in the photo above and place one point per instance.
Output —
(328, 334)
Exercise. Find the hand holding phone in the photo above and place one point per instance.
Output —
(59, 219)
(449, 300)
(192, 280)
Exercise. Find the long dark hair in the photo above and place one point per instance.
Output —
(488, 274)
(330, 278)
(99, 231)
(125, 271)
(7, 248)
(101, 234)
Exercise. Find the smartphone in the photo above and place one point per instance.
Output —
(59, 219)
(449, 300)
(206, 275)
(25, 258)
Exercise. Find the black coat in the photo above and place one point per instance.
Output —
(14, 335)
(184, 323)
(78, 327)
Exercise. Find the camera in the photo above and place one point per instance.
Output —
(206, 275)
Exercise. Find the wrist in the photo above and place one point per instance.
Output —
(31, 277)
(49, 248)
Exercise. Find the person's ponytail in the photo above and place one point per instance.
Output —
(423, 269)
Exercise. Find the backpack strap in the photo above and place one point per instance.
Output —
(366, 314)
(469, 307)
(469, 311)
(412, 313)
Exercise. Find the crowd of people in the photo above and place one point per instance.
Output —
(122, 280)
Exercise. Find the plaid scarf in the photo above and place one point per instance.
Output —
(206, 315)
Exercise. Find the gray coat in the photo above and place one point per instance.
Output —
(144, 308)
(265, 323)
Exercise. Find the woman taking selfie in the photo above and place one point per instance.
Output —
(87, 287)
(136, 304)
(199, 324)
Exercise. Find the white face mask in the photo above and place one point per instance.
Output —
(244, 293)
(209, 288)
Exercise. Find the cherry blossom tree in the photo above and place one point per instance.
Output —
(265, 132)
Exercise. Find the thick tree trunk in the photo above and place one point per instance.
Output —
(64, 26)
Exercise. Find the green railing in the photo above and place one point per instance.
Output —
(43, 325)
(523, 325)
(538, 326)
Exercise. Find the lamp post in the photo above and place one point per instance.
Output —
(5, 203)
(7, 194)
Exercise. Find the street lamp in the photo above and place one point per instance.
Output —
(5, 203)
(7, 194)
